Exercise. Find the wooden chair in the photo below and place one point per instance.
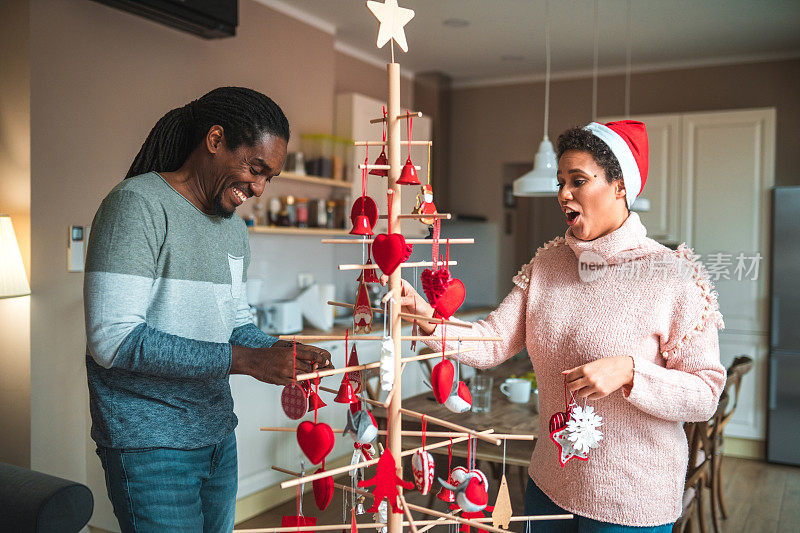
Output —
(699, 471)
(740, 366)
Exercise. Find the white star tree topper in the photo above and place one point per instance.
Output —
(392, 18)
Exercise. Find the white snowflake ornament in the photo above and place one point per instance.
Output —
(582, 429)
(387, 364)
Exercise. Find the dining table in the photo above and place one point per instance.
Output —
(504, 417)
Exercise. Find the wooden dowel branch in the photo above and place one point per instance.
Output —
(376, 364)
(402, 265)
(408, 316)
(320, 338)
(405, 433)
(362, 166)
(381, 143)
(445, 216)
(399, 117)
(364, 464)
(408, 241)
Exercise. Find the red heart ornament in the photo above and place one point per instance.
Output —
(323, 491)
(452, 298)
(442, 377)
(434, 283)
(389, 250)
(316, 440)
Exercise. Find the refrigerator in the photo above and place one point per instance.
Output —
(783, 407)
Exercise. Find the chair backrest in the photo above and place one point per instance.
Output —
(741, 365)
(702, 438)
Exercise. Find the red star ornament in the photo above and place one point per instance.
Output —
(565, 449)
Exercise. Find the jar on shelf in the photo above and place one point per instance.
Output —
(311, 148)
(301, 212)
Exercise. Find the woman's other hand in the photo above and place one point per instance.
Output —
(600, 378)
(412, 303)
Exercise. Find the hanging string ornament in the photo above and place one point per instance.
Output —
(578, 434)
(323, 489)
(368, 275)
(315, 439)
(460, 398)
(390, 249)
(294, 397)
(355, 376)
(443, 375)
(386, 481)
(422, 465)
(502, 512)
(444, 292)
(469, 486)
(408, 176)
(364, 213)
(382, 516)
(362, 310)
(387, 351)
(299, 519)
(445, 494)
(425, 205)
(381, 160)
(346, 393)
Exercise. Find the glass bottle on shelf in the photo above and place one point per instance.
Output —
(291, 213)
(330, 214)
(274, 210)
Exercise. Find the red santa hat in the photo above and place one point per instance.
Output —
(627, 139)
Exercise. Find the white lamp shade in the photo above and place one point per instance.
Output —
(13, 281)
(541, 181)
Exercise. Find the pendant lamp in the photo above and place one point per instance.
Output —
(541, 181)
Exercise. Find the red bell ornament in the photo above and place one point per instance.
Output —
(408, 176)
(446, 495)
(381, 160)
(361, 226)
(346, 393)
(314, 401)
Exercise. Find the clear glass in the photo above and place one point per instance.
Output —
(481, 389)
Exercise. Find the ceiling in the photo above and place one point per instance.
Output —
(505, 38)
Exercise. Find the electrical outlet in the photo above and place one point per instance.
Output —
(305, 279)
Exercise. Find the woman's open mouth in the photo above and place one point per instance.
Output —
(572, 216)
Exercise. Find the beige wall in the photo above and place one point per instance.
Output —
(100, 79)
(492, 126)
(15, 200)
(356, 76)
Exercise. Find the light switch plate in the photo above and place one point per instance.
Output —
(76, 239)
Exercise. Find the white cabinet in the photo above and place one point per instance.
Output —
(728, 171)
(353, 113)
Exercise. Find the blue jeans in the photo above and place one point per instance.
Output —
(537, 502)
(163, 489)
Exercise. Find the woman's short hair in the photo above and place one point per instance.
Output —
(582, 140)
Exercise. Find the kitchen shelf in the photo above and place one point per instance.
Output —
(280, 230)
(315, 180)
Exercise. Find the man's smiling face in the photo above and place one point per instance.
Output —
(244, 172)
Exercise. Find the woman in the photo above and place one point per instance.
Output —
(627, 324)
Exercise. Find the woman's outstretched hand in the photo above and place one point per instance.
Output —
(600, 378)
(411, 302)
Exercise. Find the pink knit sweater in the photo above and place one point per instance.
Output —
(652, 303)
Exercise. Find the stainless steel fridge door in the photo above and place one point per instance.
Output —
(785, 293)
(784, 408)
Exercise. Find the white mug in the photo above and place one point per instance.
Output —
(517, 390)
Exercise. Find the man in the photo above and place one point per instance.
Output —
(166, 315)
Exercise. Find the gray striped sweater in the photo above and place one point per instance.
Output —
(164, 301)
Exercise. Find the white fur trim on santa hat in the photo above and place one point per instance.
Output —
(630, 170)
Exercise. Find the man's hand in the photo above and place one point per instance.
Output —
(600, 378)
(274, 364)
